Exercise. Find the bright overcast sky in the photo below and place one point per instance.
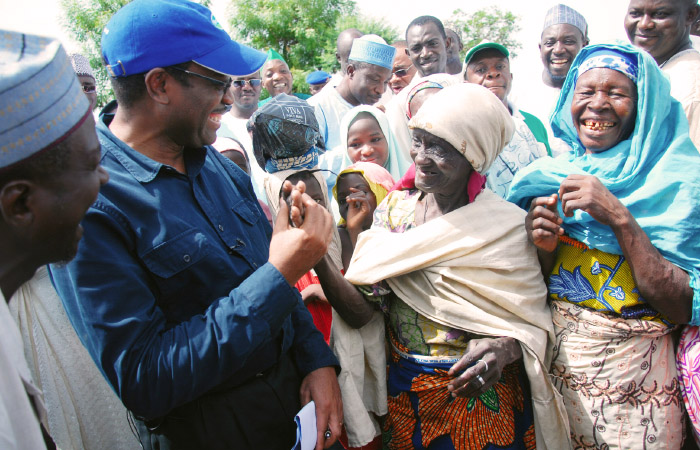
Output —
(604, 17)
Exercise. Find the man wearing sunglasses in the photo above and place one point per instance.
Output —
(246, 93)
(403, 70)
(180, 290)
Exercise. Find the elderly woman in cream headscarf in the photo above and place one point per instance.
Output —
(450, 265)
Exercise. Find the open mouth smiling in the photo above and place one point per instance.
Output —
(597, 125)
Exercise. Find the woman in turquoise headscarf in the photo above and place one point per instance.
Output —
(616, 223)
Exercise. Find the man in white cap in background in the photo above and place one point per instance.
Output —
(178, 293)
(50, 174)
(564, 34)
(367, 74)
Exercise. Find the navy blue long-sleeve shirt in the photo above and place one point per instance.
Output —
(171, 291)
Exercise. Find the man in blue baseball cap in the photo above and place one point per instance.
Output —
(317, 80)
(178, 292)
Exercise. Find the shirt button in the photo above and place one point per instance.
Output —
(221, 227)
(255, 265)
(186, 258)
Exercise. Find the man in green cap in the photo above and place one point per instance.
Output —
(488, 64)
(277, 78)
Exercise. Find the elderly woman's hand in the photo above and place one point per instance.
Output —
(482, 364)
(587, 193)
(543, 223)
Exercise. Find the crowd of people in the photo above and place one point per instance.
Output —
(433, 266)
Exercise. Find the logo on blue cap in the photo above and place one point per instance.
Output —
(216, 22)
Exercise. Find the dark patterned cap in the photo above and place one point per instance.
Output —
(285, 128)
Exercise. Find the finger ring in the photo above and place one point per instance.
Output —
(481, 380)
(486, 365)
(327, 434)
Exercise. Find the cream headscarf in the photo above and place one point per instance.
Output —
(469, 117)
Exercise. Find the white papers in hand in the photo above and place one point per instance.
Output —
(306, 427)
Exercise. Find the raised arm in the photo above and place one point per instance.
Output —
(343, 295)
(155, 363)
(661, 283)
(543, 227)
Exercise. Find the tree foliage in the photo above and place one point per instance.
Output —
(300, 30)
(304, 32)
(490, 24)
(364, 23)
(84, 20)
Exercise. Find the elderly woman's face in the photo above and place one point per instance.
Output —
(440, 168)
(604, 108)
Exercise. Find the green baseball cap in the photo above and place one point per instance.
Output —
(483, 46)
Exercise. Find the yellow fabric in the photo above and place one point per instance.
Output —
(597, 280)
(377, 189)
(475, 269)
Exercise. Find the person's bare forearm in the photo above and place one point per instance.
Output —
(661, 283)
(342, 295)
(546, 261)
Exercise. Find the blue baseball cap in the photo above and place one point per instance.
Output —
(318, 77)
(145, 34)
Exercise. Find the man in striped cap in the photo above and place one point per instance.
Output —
(366, 76)
(50, 174)
(564, 34)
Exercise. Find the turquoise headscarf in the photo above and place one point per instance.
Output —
(397, 164)
(655, 173)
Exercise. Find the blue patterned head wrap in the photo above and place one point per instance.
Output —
(653, 172)
(610, 59)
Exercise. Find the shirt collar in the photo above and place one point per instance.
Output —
(140, 166)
